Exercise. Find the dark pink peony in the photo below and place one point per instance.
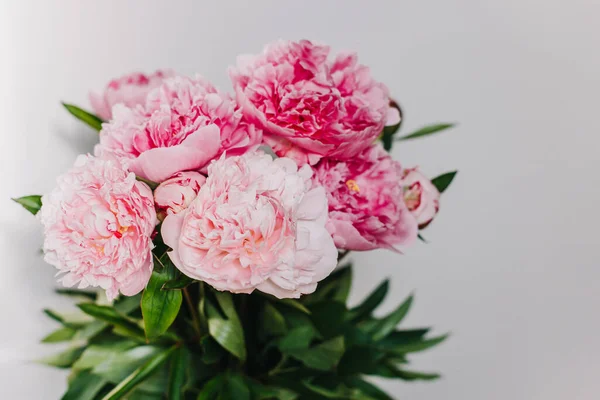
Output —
(366, 202)
(129, 90)
(184, 124)
(310, 107)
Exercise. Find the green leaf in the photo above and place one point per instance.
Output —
(64, 359)
(212, 352)
(335, 287)
(60, 335)
(77, 293)
(137, 376)
(272, 321)
(388, 323)
(117, 365)
(443, 181)
(95, 355)
(181, 282)
(329, 318)
(85, 386)
(297, 339)
(368, 388)
(89, 331)
(421, 238)
(324, 356)
(73, 320)
(31, 203)
(127, 304)
(212, 388)
(237, 388)
(371, 302)
(85, 116)
(178, 368)
(110, 315)
(262, 392)
(159, 307)
(228, 332)
(414, 376)
(338, 392)
(359, 360)
(410, 346)
(426, 130)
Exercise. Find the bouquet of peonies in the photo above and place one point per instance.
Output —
(242, 208)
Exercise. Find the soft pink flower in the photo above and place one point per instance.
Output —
(310, 107)
(129, 90)
(366, 204)
(421, 197)
(184, 124)
(177, 193)
(256, 224)
(98, 224)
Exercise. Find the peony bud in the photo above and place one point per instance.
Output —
(421, 197)
(177, 193)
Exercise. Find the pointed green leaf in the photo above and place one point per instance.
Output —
(212, 352)
(110, 315)
(85, 386)
(60, 335)
(324, 356)
(368, 389)
(31, 203)
(159, 307)
(237, 388)
(371, 302)
(414, 376)
(212, 388)
(272, 321)
(73, 320)
(297, 339)
(77, 293)
(117, 365)
(443, 181)
(389, 323)
(178, 369)
(95, 355)
(426, 130)
(422, 239)
(411, 346)
(64, 359)
(137, 376)
(227, 332)
(262, 392)
(335, 287)
(85, 116)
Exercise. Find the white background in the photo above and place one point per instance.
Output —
(512, 265)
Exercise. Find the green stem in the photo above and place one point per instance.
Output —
(193, 312)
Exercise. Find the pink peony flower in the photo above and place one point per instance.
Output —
(97, 225)
(309, 107)
(184, 124)
(256, 224)
(129, 90)
(177, 193)
(421, 197)
(366, 203)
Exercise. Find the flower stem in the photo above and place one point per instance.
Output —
(193, 312)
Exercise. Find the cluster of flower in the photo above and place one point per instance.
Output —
(255, 191)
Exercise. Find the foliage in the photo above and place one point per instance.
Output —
(225, 346)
